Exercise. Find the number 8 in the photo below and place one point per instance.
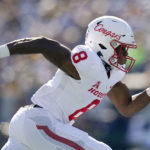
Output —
(79, 56)
(83, 110)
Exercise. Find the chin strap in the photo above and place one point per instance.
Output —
(107, 66)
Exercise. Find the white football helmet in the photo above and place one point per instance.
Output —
(108, 33)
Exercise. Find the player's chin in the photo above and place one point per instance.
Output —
(122, 61)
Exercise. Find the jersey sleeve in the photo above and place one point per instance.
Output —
(86, 62)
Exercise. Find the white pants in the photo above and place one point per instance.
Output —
(35, 129)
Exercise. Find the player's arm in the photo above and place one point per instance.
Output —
(126, 104)
(55, 52)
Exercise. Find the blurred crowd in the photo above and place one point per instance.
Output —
(66, 21)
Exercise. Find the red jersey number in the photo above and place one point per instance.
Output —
(79, 56)
(83, 110)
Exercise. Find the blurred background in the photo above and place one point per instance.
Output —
(66, 21)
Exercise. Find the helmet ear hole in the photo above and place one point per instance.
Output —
(99, 54)
(102, 46)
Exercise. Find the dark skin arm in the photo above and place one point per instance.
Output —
(126, 104)
(59, 55)
(53, 51)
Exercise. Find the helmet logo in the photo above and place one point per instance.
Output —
(106, 32)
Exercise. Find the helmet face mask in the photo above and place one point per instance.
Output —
(120, 58)
(112, 37)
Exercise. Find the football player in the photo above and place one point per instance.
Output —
(85, 76)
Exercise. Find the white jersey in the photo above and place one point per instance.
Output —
(67, 98)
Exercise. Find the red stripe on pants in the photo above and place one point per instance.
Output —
(59, 138)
